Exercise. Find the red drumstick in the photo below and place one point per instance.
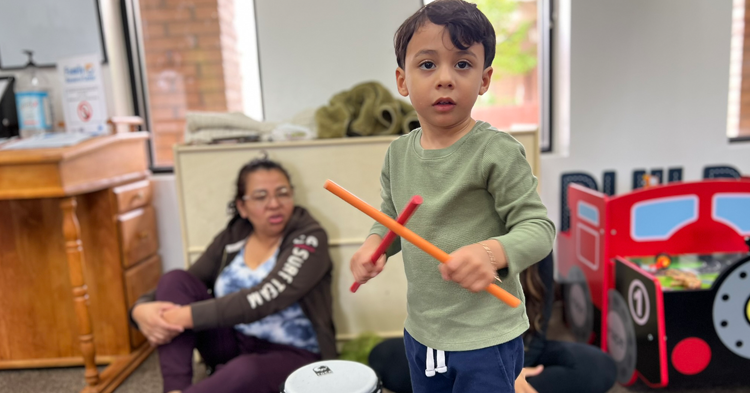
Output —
(411, 207)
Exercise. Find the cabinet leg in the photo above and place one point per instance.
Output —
(74, 251)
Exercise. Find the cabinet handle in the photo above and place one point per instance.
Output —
(143, 235)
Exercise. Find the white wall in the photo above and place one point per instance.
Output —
(648, 88)
(311, 50)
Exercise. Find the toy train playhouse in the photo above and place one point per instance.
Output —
(660, 278)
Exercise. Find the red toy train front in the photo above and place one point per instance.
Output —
(681, 321)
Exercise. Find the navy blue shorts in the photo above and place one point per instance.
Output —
(492, 369)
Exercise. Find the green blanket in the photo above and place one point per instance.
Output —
(367, 109)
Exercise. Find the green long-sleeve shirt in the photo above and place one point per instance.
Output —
(480, 187)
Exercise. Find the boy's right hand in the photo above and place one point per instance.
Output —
(362, 268)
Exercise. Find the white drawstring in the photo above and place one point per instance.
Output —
(430, 364)
(441, 368)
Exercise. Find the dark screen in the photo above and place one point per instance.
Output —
(8, 113)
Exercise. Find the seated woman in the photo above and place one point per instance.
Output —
(550, 366)
(257, 304)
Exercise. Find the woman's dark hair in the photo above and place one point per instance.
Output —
(262, 162)
(534, 291)
(465, 23)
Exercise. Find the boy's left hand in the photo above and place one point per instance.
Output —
(470, 267)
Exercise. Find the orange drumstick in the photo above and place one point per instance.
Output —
(410, 236)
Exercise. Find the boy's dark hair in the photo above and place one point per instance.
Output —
(465, 23)
(262, 162)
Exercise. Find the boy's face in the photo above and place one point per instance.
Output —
(442, 81)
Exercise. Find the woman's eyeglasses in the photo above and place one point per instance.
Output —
(262, 198)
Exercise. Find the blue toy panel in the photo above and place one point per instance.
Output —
(733, 210)
(659, 219)
(588, 213)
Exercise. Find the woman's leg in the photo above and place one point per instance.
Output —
(574, 368)
(388, 359)
(176, 357)
(260, 372)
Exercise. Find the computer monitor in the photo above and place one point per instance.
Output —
(8, 113)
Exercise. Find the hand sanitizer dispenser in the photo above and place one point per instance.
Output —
(33, 101)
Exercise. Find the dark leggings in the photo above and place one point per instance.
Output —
(568, 367)
(241, 363)
(573, 368)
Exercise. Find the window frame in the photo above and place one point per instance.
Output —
(133, 34)
(545, 26)
(131, 22)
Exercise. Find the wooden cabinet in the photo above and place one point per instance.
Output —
(137, 235)
(78, 246)
(132, 195)
(140, 279)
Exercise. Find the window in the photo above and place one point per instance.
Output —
(659, 219)
(514, 100)
(193, 56)
(734, 211)
(588, 212)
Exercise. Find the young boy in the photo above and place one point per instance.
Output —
(480, 204)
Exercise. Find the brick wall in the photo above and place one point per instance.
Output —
(192, 64)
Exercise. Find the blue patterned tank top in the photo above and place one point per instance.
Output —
(289, 326)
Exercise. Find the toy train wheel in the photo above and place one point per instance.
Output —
(579, 309)
(621, 343)
(731, 311)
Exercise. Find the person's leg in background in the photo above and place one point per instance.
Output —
(261, 368)
(388, 359)
(216, 346)
(573, 368)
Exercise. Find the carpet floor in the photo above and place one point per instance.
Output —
(147, 378)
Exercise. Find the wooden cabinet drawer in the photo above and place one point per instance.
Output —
(132, 196)
(140, 279)
(138, 235)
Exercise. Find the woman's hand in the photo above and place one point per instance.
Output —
(522, 386)
(150, 319)
(180, 316)
(361, 266)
